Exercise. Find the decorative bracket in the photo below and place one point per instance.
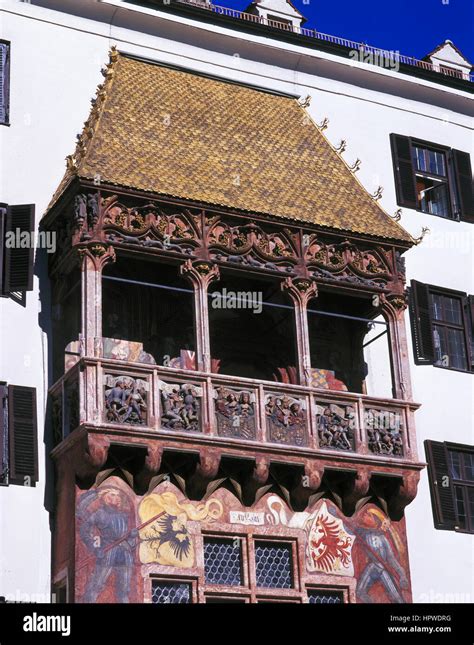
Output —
(200, 272)
(307, 485)
(98, 253)
(405, 495)
(206, 470)
(301, 290)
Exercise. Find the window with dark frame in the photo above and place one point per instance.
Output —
(4, 82)
(18, 435)
(223, 561)
(273, 565)
(442, 323)
(245, 569)
(322, 596)
(451, 479)
(170, 592)
(433, 179)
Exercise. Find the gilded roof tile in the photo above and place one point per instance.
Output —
(178, 134)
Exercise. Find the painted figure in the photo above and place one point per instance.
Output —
(381, 546)
(110, 537)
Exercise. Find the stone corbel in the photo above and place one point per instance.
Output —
(90, 456)
(256, 480)
(206, 470)
(151, 465)
(405, 494)
(356, 489)
(308, 484)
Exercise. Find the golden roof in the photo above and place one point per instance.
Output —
(178, 134)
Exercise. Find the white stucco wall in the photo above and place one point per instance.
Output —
(55, 68)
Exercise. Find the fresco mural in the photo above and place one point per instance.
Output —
(107, 530)
(121, 538)
(165, 539)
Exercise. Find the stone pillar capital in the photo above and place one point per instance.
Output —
(300, 290)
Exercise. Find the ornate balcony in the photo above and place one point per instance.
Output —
(107, 402)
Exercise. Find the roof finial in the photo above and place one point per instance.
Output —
(356, 165)
(378, 193)
(424, 231)
(341, 147)
(304, 102)
(323, 125)
(113, 54)
(397, 215)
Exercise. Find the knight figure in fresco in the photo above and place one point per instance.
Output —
(111, 539)
(380, 546)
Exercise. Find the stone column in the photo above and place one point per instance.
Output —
(201, 273)
(301, 290)
(93, 258)
(393, 309)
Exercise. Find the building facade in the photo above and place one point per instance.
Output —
(226, 368)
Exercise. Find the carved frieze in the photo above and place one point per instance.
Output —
(344, 261)
(181, 406)
(249, 245)
(336, 425)
(286, 420)
(235, 413)
(150, 226)
(384, 432)
(126, 399)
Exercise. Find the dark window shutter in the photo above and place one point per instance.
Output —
(3, 433)
(22, 431)
(403, 169)
(463, 171)
(18, 261)
(470, 331)
(3, 218)
(439, 476)
(4, 82)
(422, 329)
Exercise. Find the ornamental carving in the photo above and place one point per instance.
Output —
(384, 432)
(57, 419)
(181, 406)
(344, 261)
(126, 399)
(71, 411)
(286, 420)
(151, 225)
(336, 426)
(235, 413)
(249, 245)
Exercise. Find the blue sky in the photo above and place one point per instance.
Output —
(413, 27)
